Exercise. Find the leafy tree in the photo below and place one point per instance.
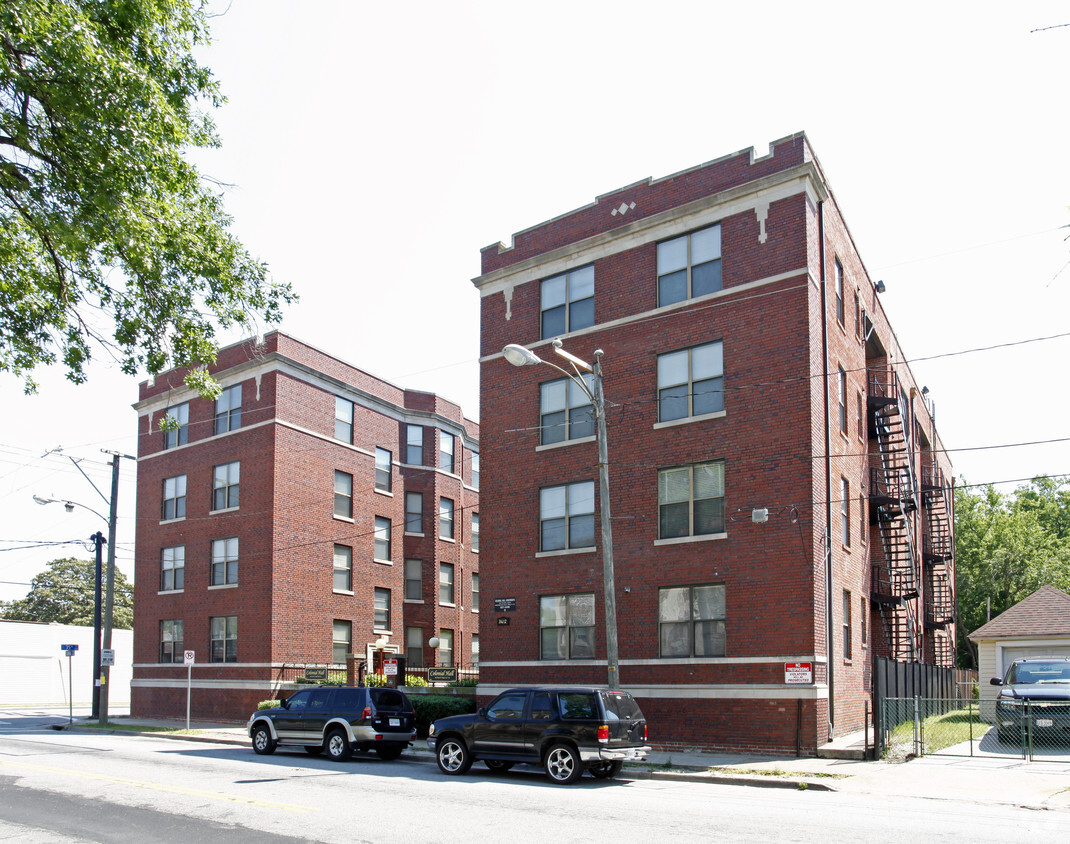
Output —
(65, 592)
(1008, 545)
(109, 236)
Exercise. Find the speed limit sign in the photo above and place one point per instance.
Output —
(190, 657)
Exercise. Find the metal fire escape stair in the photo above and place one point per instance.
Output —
(937, 551)
(893, 499)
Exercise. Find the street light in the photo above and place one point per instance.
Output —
(520, 356)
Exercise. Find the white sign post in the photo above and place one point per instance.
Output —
(190, 658)
(68, 651)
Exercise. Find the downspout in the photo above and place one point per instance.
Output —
(829, 632)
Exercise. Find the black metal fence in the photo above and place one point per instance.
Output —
(336, 674)
(894, 680)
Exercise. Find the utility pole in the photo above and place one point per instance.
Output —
(109, 601)
(98, 540)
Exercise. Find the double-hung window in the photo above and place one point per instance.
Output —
(177, 431)
(845, 511)
(343, 494)
(382, 609)
(445, 647)
(414, 445)
(414, 512)
(414, 580)
(691, 620)
(566, 626)
(446, 445)
(566, 516)
(475, 469)
(343, 419)
(383, 470)
(174, 498)
(475, 592)
(225, 479)
(689, 266)
(228, 410)
(841, 382)
(342, 644)
(382, 538)
(414, 647)
(475, 532)
(224, 638)
(445, 518)
(691, 382)
(846, 624)
(445, 583)
(343, 568)
(171, 640)
(691, 500)
(568, 302)
(173, 569)
(225, 561)
(839, 291)
(565, 410)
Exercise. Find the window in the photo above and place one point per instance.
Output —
(414, 647)
(566, 516)
(862, 519)
(382, 609)
(445, 518)
(568, 302)
(414, 445)
(861, 421)
(565, 410)
(566, 626)
(475, 469)
(862, 619)
(342, 637)
(343, 419)
(846, 624)
(446, 444)
(414, 580)
(382, 538)
(475, 592)
(689, 266)
(691, 621)
(475, 532)
(225, 561)
(171, 644)
(224, 642)
(343, 494)
(177, 432)
(414, 512)
(691, 382)
(445, 647)
(845, 511)
(225, 485)
(383, 470)
(475, 651)
(343, 568)
(445, 583)
(174, 498)
(228, 410)
(691, 500)
(842, 381)
(173, 569)
(839, 291)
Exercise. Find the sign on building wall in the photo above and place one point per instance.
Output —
(798, 673)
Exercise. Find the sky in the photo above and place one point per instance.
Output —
(371, 151)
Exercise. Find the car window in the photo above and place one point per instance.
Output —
(542, 706)
(318, 701)
(621, 705)
(507, 706)
(388, 699)
(348, 700)
(298, 702)
(576, 706)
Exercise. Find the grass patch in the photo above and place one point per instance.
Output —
(940, 731)
(137, 728)
(776, 772)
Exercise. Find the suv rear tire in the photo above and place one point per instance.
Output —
(452, 756)
(389, 752)
(606, 770)
(338, 746)
(263, 743)
(563, 764)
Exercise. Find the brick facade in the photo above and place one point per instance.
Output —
(779, 437)
(285, 598)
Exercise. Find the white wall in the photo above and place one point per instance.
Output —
(35, 669)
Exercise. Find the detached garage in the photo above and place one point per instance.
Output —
(1036, 626)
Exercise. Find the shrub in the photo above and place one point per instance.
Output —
(415, 680)
(464, 682)
(432, 707)
(268, 704)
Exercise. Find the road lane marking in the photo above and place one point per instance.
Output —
(158, 786)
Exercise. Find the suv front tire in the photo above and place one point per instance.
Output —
(453, 756)
(563, 764)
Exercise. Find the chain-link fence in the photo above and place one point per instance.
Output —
(1033, 730)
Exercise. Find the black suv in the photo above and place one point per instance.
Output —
(339, 720)
(1034, 700)
(565, 731)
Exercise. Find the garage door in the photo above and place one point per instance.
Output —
(1011, 654)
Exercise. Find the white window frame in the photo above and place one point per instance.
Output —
(696, 386)
(577, 504)
(228, 409)
(383, 539)
(569, 297)
(174, 437)
(565, 411)
(384, 470)
(343, 566)
(226, 479)
(697, 614)
(224, 562)
(178, 484)
(696, 249)
(666, 481)
(173, 560)
(574, 637)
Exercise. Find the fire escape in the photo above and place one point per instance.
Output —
(937, 552)
(893, 501)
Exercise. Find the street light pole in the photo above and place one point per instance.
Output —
(520, 356)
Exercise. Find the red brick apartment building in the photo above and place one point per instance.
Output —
(781, 506)
(310, 511)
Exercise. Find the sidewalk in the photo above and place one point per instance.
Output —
(988, 779)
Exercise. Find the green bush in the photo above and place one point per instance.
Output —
(430, 708)
(415, 680)
(268, 704)
(464, 682)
